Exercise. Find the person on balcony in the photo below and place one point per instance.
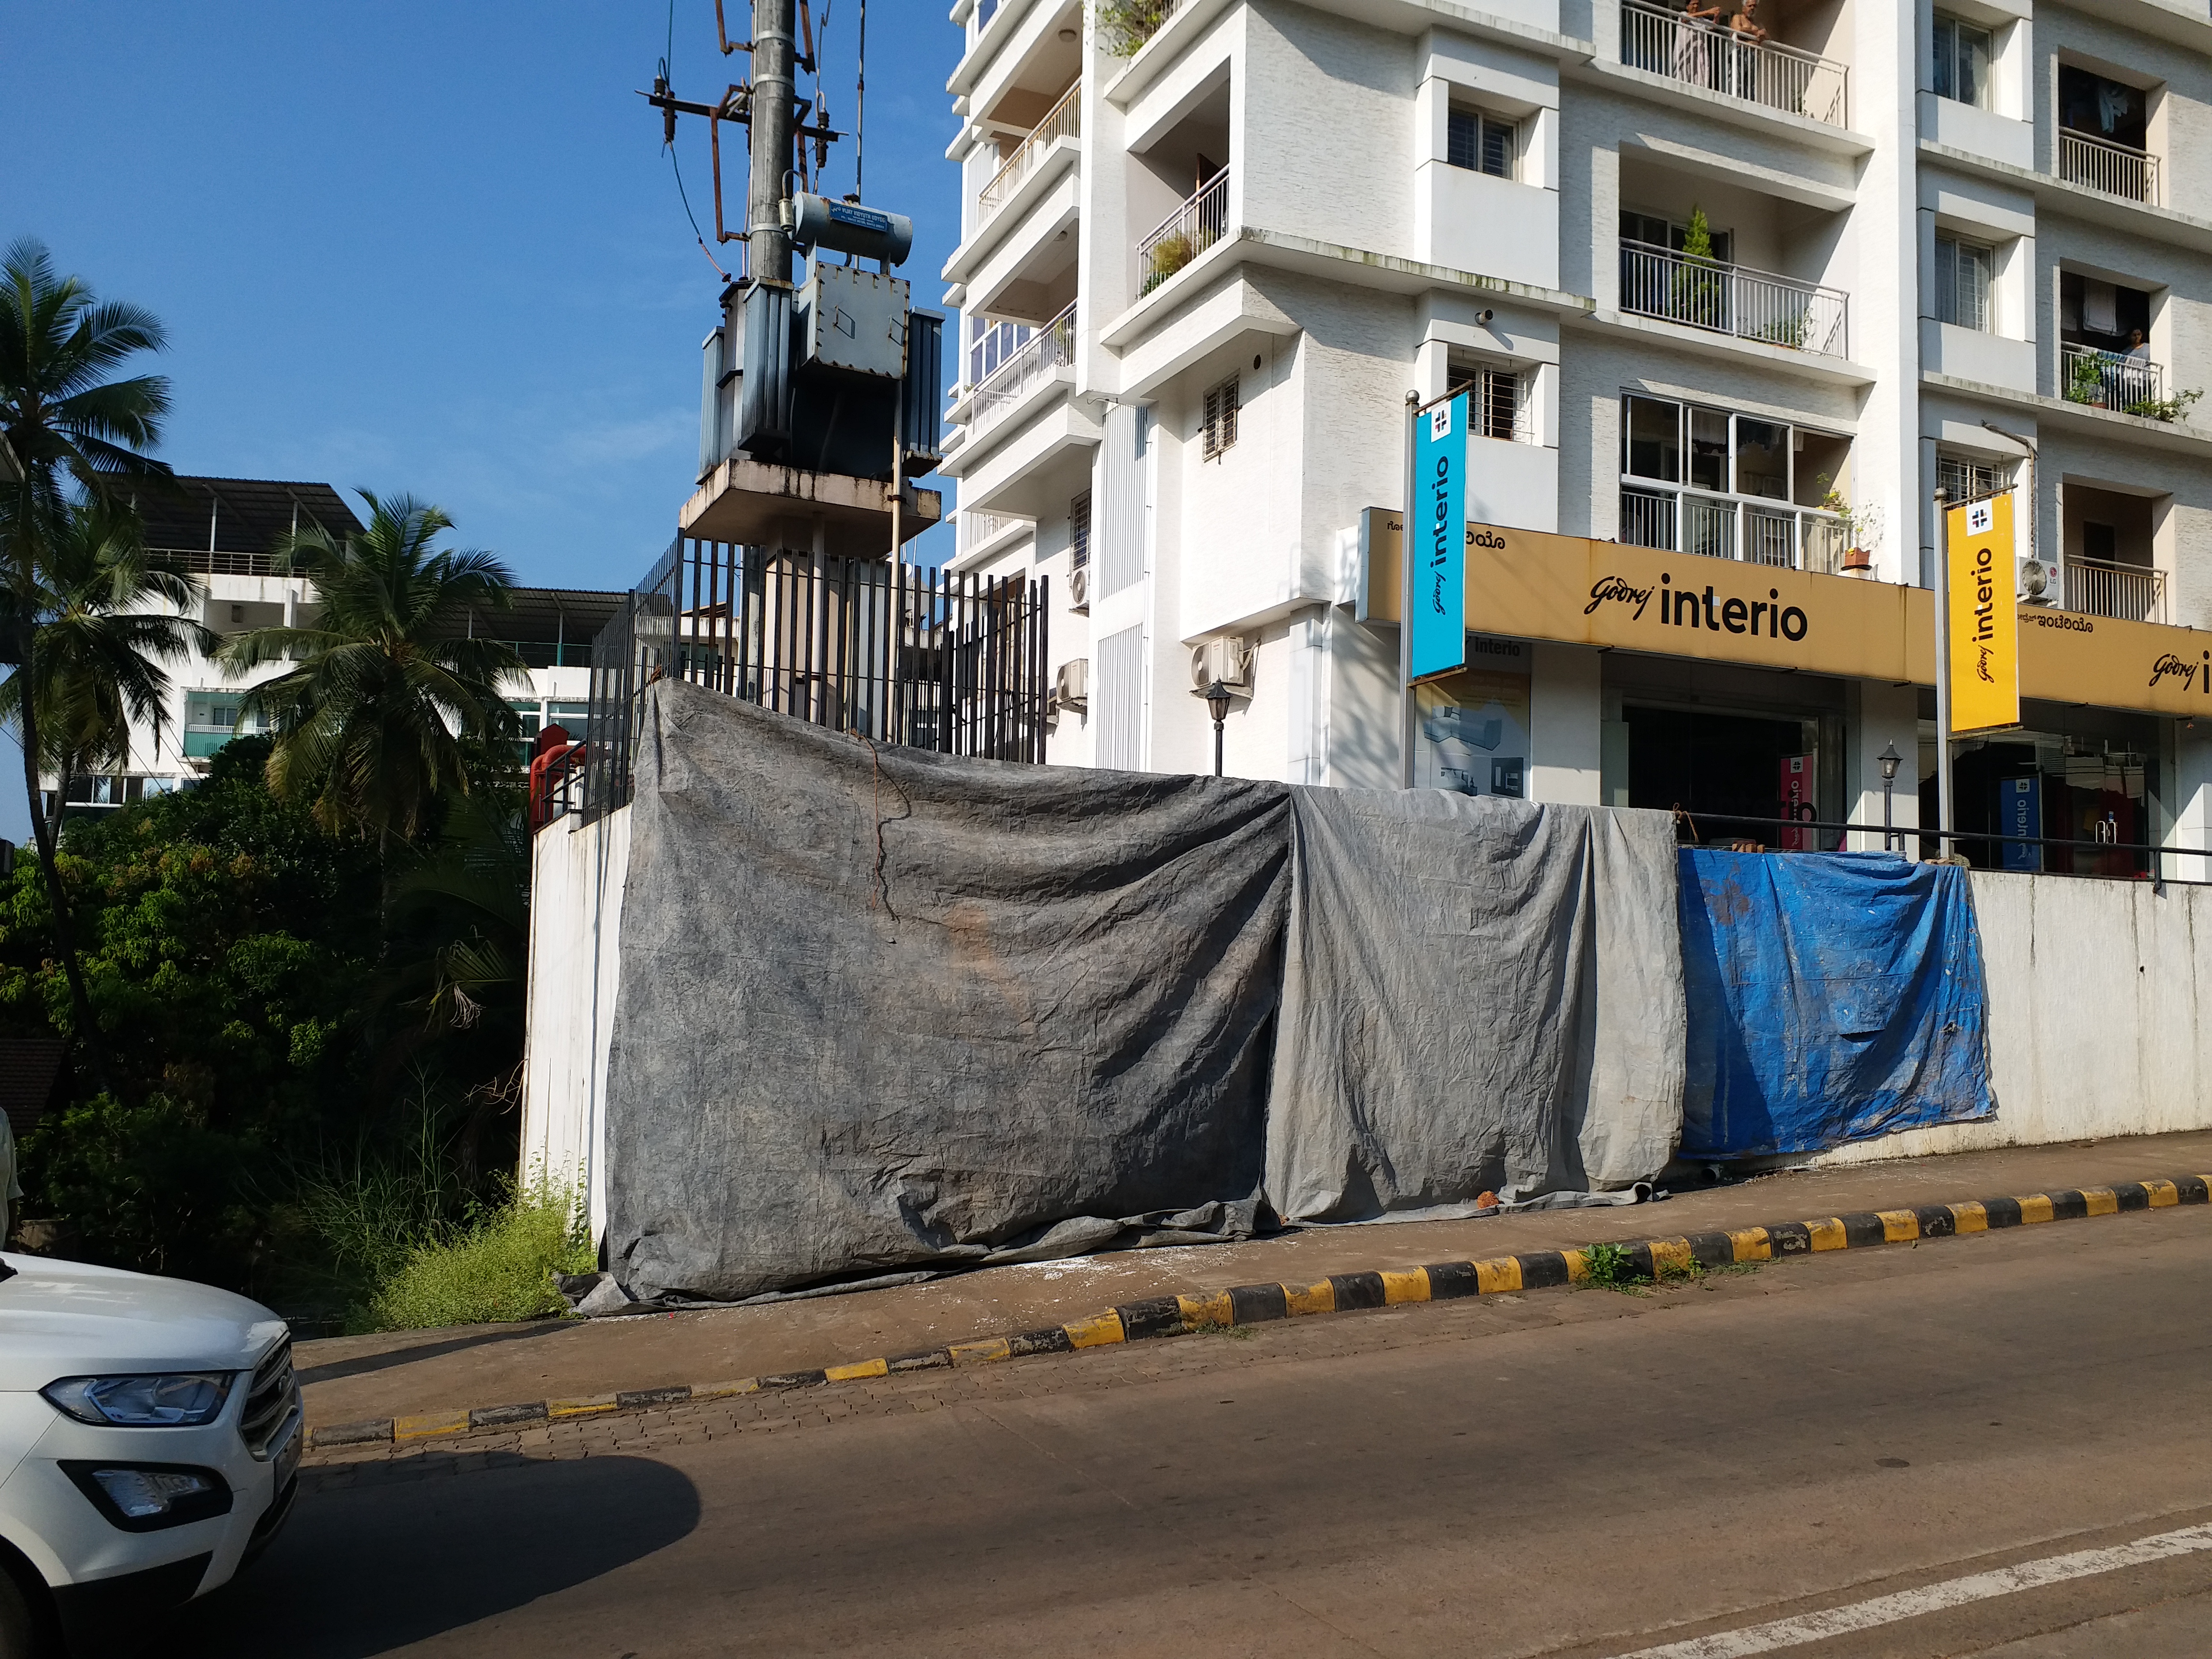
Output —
(2138, 348)
(1694, 40)
(1746, 35)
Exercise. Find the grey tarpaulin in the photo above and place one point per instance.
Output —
(882, 1009)
(1478, 993)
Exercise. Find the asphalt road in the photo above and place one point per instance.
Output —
(1999, 1445)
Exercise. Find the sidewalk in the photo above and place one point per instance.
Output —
(351, 1378)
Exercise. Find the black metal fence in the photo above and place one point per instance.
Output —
(957, 663)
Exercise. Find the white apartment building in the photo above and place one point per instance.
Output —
(222, 533)
(1732, 297)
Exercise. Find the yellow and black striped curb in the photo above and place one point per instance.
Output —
(1253, 1304)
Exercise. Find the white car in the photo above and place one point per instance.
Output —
(151, 1431)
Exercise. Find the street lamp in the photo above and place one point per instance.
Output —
(1216, 704)
(1891, 759)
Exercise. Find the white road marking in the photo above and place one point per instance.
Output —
(1930, 1598)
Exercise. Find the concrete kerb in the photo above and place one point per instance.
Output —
(1252, 1304)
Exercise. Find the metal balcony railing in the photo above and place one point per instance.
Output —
(1184, 234)
(1662, 41)
(2114, 169)
(210, 562)
(2126, 592)
(1051, 347)
(2109, 379)
(1066, 121)
(1715, 527)
(1751, 305)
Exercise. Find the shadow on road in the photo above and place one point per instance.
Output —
(422, 1547)
(362, 1364)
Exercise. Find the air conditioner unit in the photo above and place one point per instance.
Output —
(1228, 659)
(1079, 589)
(2032, 584)
(1071, 687)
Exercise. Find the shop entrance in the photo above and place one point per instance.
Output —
(1727, 770)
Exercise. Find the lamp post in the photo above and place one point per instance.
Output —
(1216, 704)
(1891, 759)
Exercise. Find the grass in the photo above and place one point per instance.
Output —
(1613, 1268)
(499, 1267)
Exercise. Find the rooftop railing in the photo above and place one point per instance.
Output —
(2114, 169)
(1051, 347)
(1661, 40)
(2109, 379)
(1751, 305)
(1192, 229)
(1066, 121)
(213, 561)
(2126, 592)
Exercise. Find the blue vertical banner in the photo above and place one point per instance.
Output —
(2020, 802)
(1435, 543)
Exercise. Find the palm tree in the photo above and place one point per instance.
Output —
(97, 647)
(389, 703)
(69, 432)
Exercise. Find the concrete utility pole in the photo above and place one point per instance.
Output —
(773, 106)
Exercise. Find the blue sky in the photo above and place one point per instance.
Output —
(434, 247)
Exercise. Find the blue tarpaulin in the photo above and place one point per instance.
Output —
(1832, 997)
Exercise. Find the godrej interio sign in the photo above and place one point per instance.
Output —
(1436, 639)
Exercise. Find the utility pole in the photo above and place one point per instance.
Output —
(1943, 802)
(773, 103)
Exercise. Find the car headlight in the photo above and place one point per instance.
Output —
(175, 1401)
(146, 1497)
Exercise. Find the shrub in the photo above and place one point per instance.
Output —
(499, 1267)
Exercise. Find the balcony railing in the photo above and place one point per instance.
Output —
(1066, 121)
(977, 527)
(1185, 234)
(1051, 347)
(1751, 305)
(1714, 527)
(1661, 41)
(2109, 379)
(211, 561)
(2114, 169)
(2127, 592)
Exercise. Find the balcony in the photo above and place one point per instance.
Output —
(1051, 348)
(1662, 41)
(2108, 168)
(1065, 121)
(1726, 299)
(2125, 592)
(1185, 234)
(1772, 533)
(2111, 380)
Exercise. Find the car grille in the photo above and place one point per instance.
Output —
(269, 1401)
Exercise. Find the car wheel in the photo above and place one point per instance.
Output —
(19, 1624)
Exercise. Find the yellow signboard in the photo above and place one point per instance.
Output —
(1984, 626)
(1529, 584)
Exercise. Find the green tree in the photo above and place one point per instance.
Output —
(230, 945)
(73, 435)
(389, 703)
(97, 650)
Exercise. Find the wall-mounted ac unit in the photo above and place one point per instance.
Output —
(1228, 659)
(1078, 589)
(1072, 684)
(2033, 583)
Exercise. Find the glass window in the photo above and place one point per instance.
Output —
(1963, 275)
(1651, 439)
(1498, 403)
(1647, 227)
(1966, 481)
(1484, 143)
(1962, 62)
(1078, 532)
(1709, 450)
(1762, 458)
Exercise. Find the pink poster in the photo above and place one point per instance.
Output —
(1798, 802)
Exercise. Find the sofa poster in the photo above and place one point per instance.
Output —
(1473, 724)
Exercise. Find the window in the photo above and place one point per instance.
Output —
(991, 344)
(1220, 417)
(1963, 272)
(1755, 487)
(1967, 481)
(1483, 143)
(2105, 109)
(1962, 62)
(1501, 410)
(1078, 532)
(1656, 231)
